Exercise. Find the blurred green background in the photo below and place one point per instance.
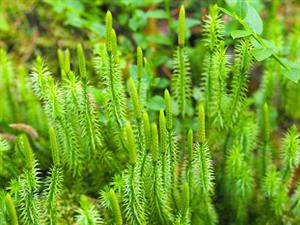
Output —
(32, 27)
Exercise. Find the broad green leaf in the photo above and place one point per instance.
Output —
(240, 33)
(156, 103)
(123, 18)
(231, 3)
(197, 94)
(261, 54)
(271, 45)
(159, 39)
(74, 19)
(227, 12)
(241, 8)
(160, 59)
(254, 20)
(157, 14)
(189, 22)
(58, 6)
(126, 2)
(161, 83)
(144, 3)
(133, 74)
(292, 74)
(74, 5)
(97, 28)
(257, 4)
(141, 39)
(139, 20)
(267, 43)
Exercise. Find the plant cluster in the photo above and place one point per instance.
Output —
(205, 160)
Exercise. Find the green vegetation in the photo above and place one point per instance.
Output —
(105, 138)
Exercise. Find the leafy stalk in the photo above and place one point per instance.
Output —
(11, 210)
(134, 202)
(181, 79)
(54, 181)
(29, 205)
(239, 83)
(160, 210)
(213, 33)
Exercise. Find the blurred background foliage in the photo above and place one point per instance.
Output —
(30, 27)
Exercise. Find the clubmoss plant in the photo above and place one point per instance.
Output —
(29, 202)
(181, 80)
(54, 181)
(205, 153)
(11, 210)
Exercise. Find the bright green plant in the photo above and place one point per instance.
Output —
(28, 202)
(205, 160)
(54, 182)
(11, 210)
(181, 80)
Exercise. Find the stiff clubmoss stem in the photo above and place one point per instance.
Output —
(139, 53)
(162, 131)
(11, 210)
(169, 114)
(131, 144)
(67, 63)
(266, 123)
(54, 146)
(60, 56)
(115, 207)
(147, 131)
(81, 62)
(135, 100)
(24, 144)
(201, 123)
(185, 198)
(190, 144)
(154, 144)
(114, 41)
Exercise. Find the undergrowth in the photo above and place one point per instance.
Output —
(206, 160)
